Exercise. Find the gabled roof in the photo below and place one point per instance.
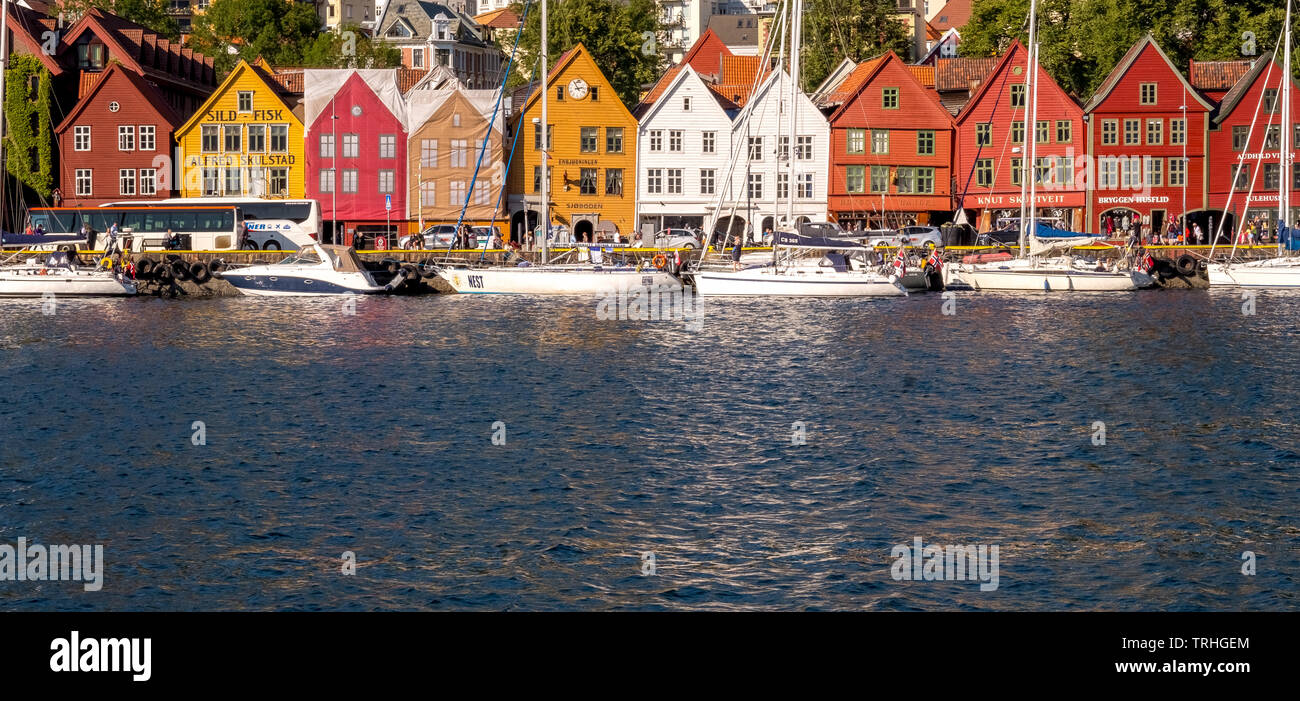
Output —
(833, 80)
(683, 73)
(566, 59)
(954, 15)
(1001, 69)
(923, 74)
(143, 51)
(1243, 85)
(263, 73)
(142, 88)
(878, 65)
(1126, 62)
(28, 27)
(852, 83)
(952, 74)
(1217, 75)
(952, 36)
(418, 15)
(706, 53)
(323, 85)
(505, 18)
(736, 79)
(435, 78)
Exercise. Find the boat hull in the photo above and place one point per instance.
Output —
(1051, 279)
(289, 285)
(65, 284)
(552, 281)
(794, 283)
(1274, 276)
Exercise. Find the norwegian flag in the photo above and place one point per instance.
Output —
(900, 262)
(677, 257)
(935, 260)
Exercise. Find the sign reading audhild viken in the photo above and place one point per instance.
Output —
(52, 563)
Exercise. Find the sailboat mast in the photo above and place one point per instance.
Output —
(1284, 186)
(796, 27)
(1027, 168)
(545, 149)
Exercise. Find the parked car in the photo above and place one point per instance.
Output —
(482, 235)
(915, 236)
(436, 236)
(675, 238)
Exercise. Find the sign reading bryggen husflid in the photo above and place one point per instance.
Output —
(246, 140)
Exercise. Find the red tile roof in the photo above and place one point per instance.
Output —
(505, 18)
(923, 74)
(408, 77)
(951, 74)
(953, 15)
(736, 77)
(1217, 75)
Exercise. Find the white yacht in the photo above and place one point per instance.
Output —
(842, 272)
(58, 274)
(317, 269)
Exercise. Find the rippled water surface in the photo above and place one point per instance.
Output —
(373, 434)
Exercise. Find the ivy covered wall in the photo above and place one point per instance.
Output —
(29, 127)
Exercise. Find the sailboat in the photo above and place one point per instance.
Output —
(546, 278)
(846, 269)
(1048, 265)
(46, 273)
(1283, 271)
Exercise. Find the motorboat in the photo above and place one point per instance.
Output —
(1050, 268)
(575, 279)
(58, 273)
(1270, 272)
(842, 271)
(316, 269)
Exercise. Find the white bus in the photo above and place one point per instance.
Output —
(271, 225)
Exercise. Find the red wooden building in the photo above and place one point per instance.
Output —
(1252, 156)
(993, 139)
(116, 143)
(356, 149)
(891, 150)
(1147, 131)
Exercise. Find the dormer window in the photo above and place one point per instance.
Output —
(399, 30)
(92, 55)
(440, 29)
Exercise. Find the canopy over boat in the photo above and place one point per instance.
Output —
(788, 239)
(1047, 239)
(8, 239)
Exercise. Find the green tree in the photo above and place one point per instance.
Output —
(349, 48)
(623, 37)
(146, 13)
(29, 127)
(1080, 41)
(856, 29)
(277, 30)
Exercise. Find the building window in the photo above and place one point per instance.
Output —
(1177, 172)
(803, 148)
(126, 181)
(613, 140)
(351, 145)
(804, 186)
(148, 181)
(1177, 132)
(211, 182)
(279, 181)
(81, 138)
(1273, 137)
(925, 181)
(707, 181)
(925, 143)
(233, 138)
(1042, 132)
(417, 58)
(614, 181)
(594, 92)
(126, 138)
(458, 193)
(1107, 173)
(782, 186)
(428, 153)
(148, 142)
(880, 141)
(1241, 176)
(349, 181)
(756, 150)
(675, 141)
(1155, 132)
(537, 179)
(256, 138)
(1109, 132)
(428, 194)
(279, 138)
(855, 178)
(245, 101)
(686, 104)
(460, 153)
(905, 179)
(84, 188)
(984, 134)
(855, 141)
(387, 181)
(656, 141)
(674, 181)
(1272, 176)
(1147, 94)
(755, 186)
(1155, 172)
(1270, 100)
(1018, 96)
(1018, 132)
(234, 181)
(1130, 173)
(1064, 171)
(1064, 131)
(1132, 132)
(1043, 169)
(327, 180)
(1239, 134)
(588, 138)
(783, 148)
(984, 172)
(482, 193)
(387, 146)
(327, 145)
(709, 141)
(879, 179)
(654, 181)
(1017, 170)
(559, 94)
(889, 98)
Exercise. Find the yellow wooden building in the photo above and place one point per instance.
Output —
(593, 154)
(245, 140)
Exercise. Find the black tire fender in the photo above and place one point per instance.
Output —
(199, 272)
(1186, 264)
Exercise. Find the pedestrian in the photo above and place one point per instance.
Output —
(1198, 233)
(735, 252)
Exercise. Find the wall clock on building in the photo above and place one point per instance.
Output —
(577, 88)
(113, 106)
(356, 110)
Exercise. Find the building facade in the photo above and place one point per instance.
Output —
(993, 140)
(355, 149)
(891, 150)
(245, 140)
(452, 175)
(431, 34)
(593, 139)
(1147, 129)
(685, 148)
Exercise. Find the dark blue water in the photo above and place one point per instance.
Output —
(373, 434)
